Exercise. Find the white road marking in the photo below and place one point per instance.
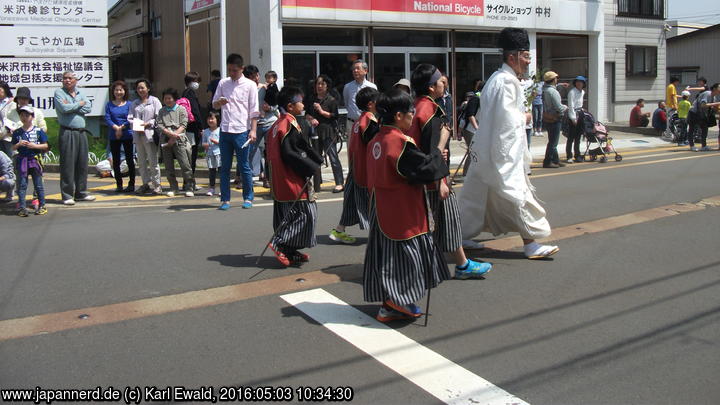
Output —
(430, 371)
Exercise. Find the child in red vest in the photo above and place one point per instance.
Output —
(401, 260)
(426, 130)
(355, 201)
(291, 162)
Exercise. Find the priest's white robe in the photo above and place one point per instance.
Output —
(497, 195)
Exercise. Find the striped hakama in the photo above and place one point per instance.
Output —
(400, 270)
(448, 233)
(355, 204)
(299, 229)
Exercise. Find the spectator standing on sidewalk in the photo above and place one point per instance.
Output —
(702, 116)
(6, 102)
(575, 102)
(553, 111)
(23, 98)
(172, 121)
(29, 141)
(71, 106)
(194, 129)
(120, 134)
(671, 101)
(145, 110)
(359, 71)
(322, 113)
(683, 110)
(236, 97)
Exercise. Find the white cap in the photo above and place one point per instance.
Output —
(685, 93)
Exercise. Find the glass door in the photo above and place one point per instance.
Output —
(388, 69)
(439, 60)
(299, 69)
(491, 63)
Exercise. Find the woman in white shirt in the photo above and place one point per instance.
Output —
(575, 103)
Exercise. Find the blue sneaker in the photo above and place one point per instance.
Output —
(247, 204)
(410, 310)
(224, 206)
(473, 269)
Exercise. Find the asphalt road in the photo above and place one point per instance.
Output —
(627, 315)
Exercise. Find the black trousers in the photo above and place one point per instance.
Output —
(573, 141)
(195, 131)
(127, 146)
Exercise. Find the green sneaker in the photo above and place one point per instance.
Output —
(341, 237)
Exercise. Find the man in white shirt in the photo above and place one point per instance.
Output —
(359, 71)
(575, 103)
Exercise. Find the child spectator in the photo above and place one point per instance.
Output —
(683, 109)
(291, 161)
(172, 121)
(29, 141)
(355, 202)
(271, 92)
(211, 143)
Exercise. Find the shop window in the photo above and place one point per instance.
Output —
(476, 39)
(406, 38)
(322, 36)
(641, 61)
(642, 8)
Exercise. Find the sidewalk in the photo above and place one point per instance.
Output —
(622, 140)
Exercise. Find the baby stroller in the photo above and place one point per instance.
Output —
(596, 133)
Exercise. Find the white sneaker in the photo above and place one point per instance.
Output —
(694, 148)
(170, 194)
(570, 161)
(471, 244)
(534, 251)
(189, 194)
(88, 198)
(69, 201)
(210, 192)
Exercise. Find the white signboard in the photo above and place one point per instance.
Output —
(565, 15)
(36, 41)
(53, 12)
(192, 6)
(44, 98)
(43, 72)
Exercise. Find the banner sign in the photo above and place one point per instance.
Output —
(44, 99)
(562, 15)
(27, 72)
(52, 41)
(53, 12)
(192, 6)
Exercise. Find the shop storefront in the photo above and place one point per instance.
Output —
(325, 36)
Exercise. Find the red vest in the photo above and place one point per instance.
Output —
(285, 184)
(357, 150)
(425, 109)
(400, 206)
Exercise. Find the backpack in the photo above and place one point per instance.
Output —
(184, 102)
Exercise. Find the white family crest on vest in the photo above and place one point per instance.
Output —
(356, 127)
(275, 129)
(376, 150)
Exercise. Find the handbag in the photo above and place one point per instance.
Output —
(711, 119)
(550, 118)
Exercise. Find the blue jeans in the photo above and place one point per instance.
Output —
(231, 143)
(257, 151)
(537, 110)
(551, 153)
(37, 182)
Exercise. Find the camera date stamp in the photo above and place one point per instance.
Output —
(137, 395)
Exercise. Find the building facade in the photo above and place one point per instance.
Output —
(694, 55)
(300, 39)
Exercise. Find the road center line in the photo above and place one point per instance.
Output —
(440, 377)
(59, 321)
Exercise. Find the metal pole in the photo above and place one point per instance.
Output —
(223, 37)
